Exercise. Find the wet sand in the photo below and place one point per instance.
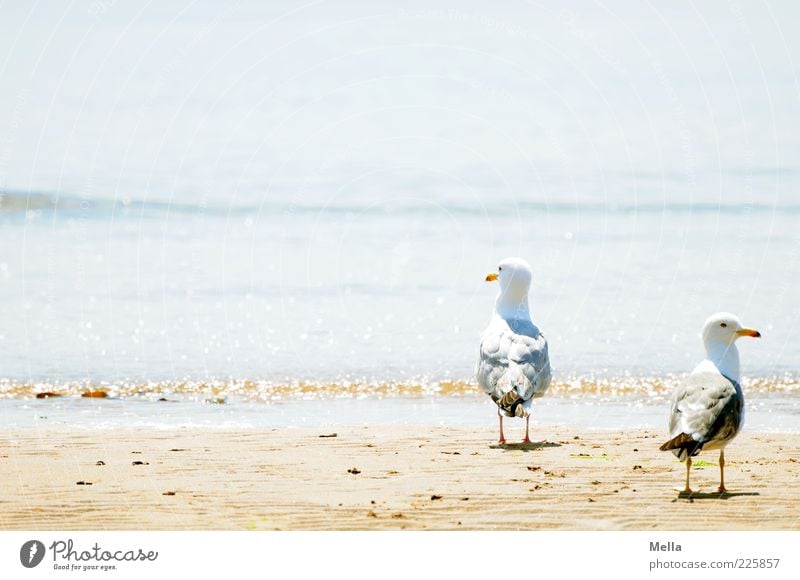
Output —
(366, 478)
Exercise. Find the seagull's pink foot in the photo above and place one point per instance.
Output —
(722, 489)
(501, 441)
(526, 440)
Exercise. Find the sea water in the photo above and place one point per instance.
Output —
(315, 194)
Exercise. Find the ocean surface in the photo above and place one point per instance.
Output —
(312, 194)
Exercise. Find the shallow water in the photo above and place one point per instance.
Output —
(765, 413)
(772, 405)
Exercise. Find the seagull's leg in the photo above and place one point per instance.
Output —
(722, 471)
(688, 468)
(502, 437)
(527, 420)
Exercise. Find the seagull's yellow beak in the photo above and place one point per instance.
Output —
(491, 277)
(748, 332)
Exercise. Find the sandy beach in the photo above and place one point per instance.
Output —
(367, 478)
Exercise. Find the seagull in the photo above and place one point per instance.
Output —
(708, 408)
(513, 367)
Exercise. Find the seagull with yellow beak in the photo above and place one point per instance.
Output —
(708, 408)
(513, 366)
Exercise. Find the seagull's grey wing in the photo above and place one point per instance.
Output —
(513, 368)
(707, 410)
(531, 356)
(492, 359)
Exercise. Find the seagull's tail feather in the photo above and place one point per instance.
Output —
(511, 404)
(511, 392)
(683, 445)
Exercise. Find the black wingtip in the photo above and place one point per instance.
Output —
(685, 444)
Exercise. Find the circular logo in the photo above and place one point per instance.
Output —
(31, 553)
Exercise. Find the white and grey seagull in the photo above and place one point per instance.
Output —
(513, 366)
(708, 408)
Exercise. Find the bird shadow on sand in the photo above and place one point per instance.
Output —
(532, 446)
(706, 495)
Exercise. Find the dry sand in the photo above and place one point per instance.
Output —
(386, 478)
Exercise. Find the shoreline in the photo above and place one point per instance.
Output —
(765, 413)
(386, 477)
(263, 390)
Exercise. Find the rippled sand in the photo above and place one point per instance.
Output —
(386, 478)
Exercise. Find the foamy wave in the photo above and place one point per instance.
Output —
(216, 391)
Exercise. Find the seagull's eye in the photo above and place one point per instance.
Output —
(500, 269)
(723, 325)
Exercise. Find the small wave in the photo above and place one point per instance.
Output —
(267, 391)
(23, 203)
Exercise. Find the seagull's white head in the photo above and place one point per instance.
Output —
(724, 328)
(514, 276)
